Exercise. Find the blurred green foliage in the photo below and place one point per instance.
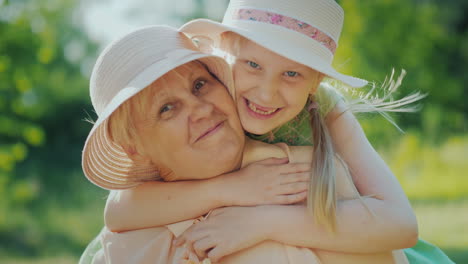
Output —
(43, 95)
(428, 39)
(430, 173)
(49, 209)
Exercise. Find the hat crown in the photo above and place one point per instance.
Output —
(124, 59)
(325, 15)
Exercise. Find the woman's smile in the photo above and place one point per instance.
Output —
(210, 131)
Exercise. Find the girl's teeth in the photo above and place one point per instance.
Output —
(258, 111)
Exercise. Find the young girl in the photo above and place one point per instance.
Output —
(282, 51)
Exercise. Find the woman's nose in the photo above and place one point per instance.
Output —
(200, 109)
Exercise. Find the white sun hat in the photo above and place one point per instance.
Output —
(305, 31)
(123, 69)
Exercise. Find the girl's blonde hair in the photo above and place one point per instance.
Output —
(322, 197)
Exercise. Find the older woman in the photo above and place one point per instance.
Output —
(165, 114)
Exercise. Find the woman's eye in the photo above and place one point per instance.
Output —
(291, 74)
(166, 108)
(198, 85)
(253, 64)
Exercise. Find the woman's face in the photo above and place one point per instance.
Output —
(193, 123)
(270, 89)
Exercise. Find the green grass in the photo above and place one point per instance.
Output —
(434, 178)
(429, 172)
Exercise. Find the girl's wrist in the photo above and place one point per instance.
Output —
(268, 223)
(277, 226)
(220, 188)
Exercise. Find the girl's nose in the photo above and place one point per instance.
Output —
(200, 109)
(267, 90)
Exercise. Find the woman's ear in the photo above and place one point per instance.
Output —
(140, 159)
(316, 83)
(135, 155)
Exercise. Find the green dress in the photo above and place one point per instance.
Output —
(297, 132)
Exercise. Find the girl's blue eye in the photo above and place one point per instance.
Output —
(198, 85)
(253, 64)
(166, 108)
(292, 73)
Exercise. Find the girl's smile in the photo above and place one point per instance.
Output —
(260, 112)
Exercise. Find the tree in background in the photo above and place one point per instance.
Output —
(427, 38)
(42, 94)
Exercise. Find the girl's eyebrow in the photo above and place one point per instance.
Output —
(253, 58)
(250, 56)
(295, 66)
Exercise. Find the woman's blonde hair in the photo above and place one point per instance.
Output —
(322, 197)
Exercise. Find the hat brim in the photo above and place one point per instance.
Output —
(104, 162)
(265, 37)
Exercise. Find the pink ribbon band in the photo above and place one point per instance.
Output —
(286, 22)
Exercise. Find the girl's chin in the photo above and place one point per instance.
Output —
(257, 127)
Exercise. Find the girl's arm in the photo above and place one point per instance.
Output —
(152, 204)
(358, 230)
(382, 220)
(373, 178)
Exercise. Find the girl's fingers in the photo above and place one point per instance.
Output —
(293, 188)
(294, 168)
(292, 198)
(295, 177)
(179, 241)
(216, 254)
(273, 161)
(192, 239)
(193, 257)
(188, 236)
(202, 246)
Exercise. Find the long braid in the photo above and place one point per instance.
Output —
(321, 199)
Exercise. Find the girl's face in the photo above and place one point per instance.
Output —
(270, 89)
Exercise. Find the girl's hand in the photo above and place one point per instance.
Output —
(185, 255)
(270, 181)
(226, 231)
